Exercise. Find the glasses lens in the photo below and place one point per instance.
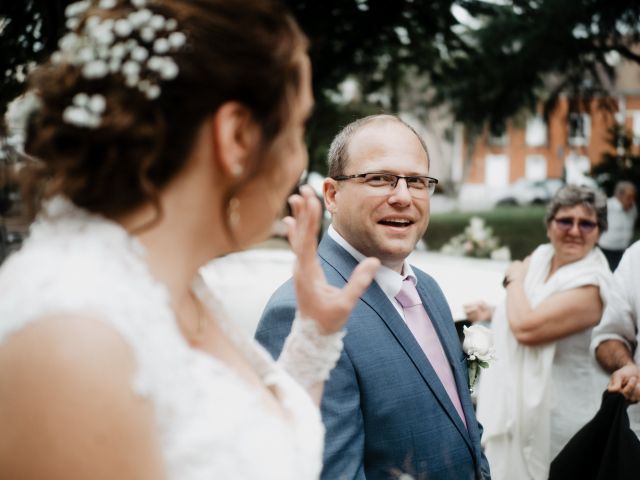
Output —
(385, 182)
(586, 226)
(566, 223)
(380, 180)
(417, 183)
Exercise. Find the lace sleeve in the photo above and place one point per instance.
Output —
(308, 355)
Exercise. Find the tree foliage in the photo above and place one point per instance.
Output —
(531, 50)
(624, 164)
(377, 43)
(373, 41)
(29, 31)
(523, 51)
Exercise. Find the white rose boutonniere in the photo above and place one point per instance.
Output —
(478, 345)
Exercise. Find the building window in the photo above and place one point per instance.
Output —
(498, 134)
(536, 133)
(577, 168)
(535, 167)
(496, 171)
(579, 129)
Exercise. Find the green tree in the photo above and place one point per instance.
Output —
(29, 32)
(376, 42)
(379, 43)
(526, 51)
(624, 164)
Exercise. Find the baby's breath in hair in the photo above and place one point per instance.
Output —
(137, 47)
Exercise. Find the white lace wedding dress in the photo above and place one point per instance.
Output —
(211, 423)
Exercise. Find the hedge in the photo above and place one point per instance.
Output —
(522, 229)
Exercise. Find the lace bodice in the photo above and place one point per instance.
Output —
(211, 423)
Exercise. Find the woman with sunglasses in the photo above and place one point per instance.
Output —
(544, 385)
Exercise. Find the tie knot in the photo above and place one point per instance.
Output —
(408, 295)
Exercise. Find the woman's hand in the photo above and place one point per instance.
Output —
(478, 311)
(329, 306)
(517, 271)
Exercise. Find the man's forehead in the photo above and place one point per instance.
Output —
(380, 136)
(372, 127)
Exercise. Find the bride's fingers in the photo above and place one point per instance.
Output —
(290, 222)
(360, 279)
(307, 215)
(310, 221)
(295, 202)
(293, 223)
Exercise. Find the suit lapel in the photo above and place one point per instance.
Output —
(344, 264)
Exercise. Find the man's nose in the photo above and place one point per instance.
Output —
(401, 192)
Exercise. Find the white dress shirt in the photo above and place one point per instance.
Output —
(621, 317)
(621, 223)
(389, 281)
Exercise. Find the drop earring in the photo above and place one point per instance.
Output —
(232, 212)
(237, 170)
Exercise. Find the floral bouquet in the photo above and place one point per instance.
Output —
(477, 240)
(478, 345)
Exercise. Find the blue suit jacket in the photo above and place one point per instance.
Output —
(384, 408)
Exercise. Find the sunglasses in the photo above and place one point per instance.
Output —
(565, 224)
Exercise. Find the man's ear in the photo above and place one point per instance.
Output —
(236, 137)
(329, 191)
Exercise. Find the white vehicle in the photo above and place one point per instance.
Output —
(530, 192)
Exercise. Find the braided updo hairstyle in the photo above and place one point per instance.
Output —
(236, 50)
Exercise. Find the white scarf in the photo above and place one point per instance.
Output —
(514, 403)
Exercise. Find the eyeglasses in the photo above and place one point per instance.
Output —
(566, 223)
(418, 185)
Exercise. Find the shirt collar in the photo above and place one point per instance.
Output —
(387, 279)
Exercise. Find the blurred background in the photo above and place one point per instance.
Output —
(514, 99)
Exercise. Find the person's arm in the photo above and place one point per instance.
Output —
(615, 337)
(615, 357)
(327, 305)
(67, 407)
(340, 406)
(274, 331)
(560, 315)
(479, 311)
(318, 301)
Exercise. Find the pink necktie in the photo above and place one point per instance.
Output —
(422, 328)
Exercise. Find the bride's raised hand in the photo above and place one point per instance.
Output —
(329, 306)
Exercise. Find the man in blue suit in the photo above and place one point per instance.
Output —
(390, 406)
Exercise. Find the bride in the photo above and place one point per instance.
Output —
(169, 133)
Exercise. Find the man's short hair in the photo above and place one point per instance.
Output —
(338, 158)
(622, 187)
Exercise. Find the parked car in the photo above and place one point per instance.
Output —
(530, 192)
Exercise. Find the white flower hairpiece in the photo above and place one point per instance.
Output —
(17, 117)
(86, 111)
(138, 47)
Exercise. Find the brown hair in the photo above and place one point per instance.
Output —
(240, 50)
(338, 158)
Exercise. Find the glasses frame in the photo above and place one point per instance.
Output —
(584, 226)
(431, 182)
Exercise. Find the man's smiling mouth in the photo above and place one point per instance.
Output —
(396, 222)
